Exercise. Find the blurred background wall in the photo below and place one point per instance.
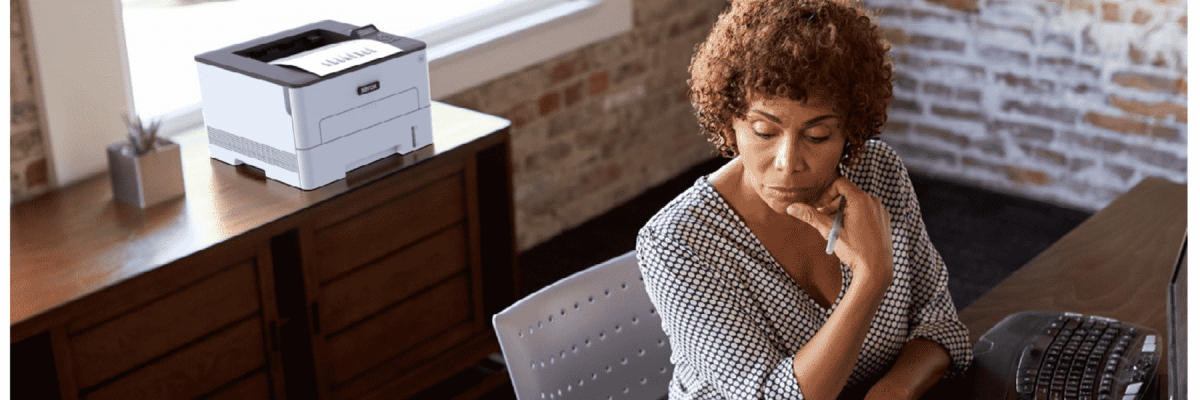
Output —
(1067, 101)
(1071, 102)
(29, 155)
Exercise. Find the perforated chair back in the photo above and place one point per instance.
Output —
(592, 335)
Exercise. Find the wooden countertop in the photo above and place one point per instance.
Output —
(78, 240)
(1115, 264)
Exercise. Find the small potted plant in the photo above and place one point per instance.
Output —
(146, 169)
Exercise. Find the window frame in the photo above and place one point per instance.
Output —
(85, 85)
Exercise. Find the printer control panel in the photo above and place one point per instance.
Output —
(370, 32)
(389, 39)
(386, 38)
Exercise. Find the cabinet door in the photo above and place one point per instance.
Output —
(208, 337)
(396, 279)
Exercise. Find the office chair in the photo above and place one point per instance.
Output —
(591, 335)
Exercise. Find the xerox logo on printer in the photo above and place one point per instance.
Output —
(368, 88)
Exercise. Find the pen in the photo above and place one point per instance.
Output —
(837, 226)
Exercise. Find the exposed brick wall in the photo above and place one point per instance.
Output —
(29, 154)
(599, 125)
(1067, 101)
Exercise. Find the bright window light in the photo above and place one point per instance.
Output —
(84, 74)
(163, 36)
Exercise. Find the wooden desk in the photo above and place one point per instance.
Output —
(378, 284)
(1115, 264)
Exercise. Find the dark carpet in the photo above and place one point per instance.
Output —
(983, 236)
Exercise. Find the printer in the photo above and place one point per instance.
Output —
(307, 128)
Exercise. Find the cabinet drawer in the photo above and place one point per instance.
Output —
(194, 370)
(257, 386)
(399, 328)
(390, 280)
(131, 339)
(352, 242)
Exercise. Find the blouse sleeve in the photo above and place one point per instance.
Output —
(932, 313)
(707, 328)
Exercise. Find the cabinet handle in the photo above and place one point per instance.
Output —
(316, 316)
(274, 336)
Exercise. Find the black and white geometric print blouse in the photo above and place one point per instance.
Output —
(735, 318)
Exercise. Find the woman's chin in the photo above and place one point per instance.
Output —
(780, 205)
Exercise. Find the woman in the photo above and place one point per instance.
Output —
(792, 91)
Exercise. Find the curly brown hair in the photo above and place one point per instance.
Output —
(790, 49)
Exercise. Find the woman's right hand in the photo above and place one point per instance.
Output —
(865, 241)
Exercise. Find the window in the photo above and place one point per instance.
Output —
(469, 42)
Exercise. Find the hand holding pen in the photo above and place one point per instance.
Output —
(857, 226)
(837, 226)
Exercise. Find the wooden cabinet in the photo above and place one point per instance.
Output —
(376, 286)
(183, 345)
(396, 279)
(163, 336)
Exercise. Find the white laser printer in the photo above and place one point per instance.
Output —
(307, 128)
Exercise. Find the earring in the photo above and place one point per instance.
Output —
(727, 151)
(728, 148)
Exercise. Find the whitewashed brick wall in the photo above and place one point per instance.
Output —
(1071, 101)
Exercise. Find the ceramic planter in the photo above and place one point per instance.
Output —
(148, 179)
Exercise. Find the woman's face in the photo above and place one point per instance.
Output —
(790, 149)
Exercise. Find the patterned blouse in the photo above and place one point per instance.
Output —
(735, 318)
